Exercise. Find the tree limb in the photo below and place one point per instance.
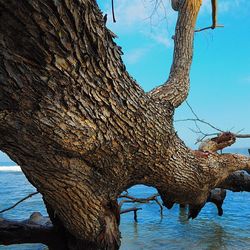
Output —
(237, 182)
(113, 11)
(219, 142)
(214, 18)
(217, 196)
(176, 88)
(197, 120)
(209, 27)
(132, 209)
(33, 230)
(132, 199)
(214, 13)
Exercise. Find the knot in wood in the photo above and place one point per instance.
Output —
(176, 4)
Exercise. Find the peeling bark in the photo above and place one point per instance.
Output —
(218, 143)
(81, 128)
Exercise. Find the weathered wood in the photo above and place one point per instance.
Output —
(237, 182)
(219, 142)
(176, 88)
(81, 128)
(217, 196)
(37, 229)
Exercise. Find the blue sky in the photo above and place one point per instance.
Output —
(220, 74)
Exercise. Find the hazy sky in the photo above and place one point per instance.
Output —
(220, 75)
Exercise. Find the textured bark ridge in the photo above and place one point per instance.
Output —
(81, 128)
(175, 90)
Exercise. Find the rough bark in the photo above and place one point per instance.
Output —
(219, 142)
(36, 229)
(217, 197)
(238, 181)
(176, 88)
(80, 127)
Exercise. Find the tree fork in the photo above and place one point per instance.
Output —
(80, 127)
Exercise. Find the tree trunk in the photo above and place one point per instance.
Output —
(81, 128)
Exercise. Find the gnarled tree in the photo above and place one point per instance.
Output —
(81, 128)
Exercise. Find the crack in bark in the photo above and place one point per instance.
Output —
(85, 130)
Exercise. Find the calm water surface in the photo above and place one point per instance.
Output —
(172, 231)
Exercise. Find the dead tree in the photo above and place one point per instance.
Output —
(83, 130)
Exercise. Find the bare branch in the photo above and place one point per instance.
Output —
(201, 121)
(113, 11)
(219, 142)
(242, 135)
(190, 107)
(157, 3)
(204, 135)
(214, 18)
(176, 88)
(214, 13)
(209, 27)
(237, 182)
(139, 200)
(20, 201)
(132, 209)
(217, 196)
(199, 131)
(132, 199)
(160, 205)
(30, 231)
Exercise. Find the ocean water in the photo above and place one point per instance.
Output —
(151, 232)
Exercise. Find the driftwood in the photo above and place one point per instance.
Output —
(131, 199)
(83, 131)
(237, 182)
(219, 142)
(36, 229)
(39, 229)
(217, 197)
(132, 209)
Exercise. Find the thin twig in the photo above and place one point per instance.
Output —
(201, 121)
(242, 135)
(113, 11)
(195, 120)
(139, 200)
(160, 205)
(214, 18)
(132, 209)
(132, 199)
(23, 199)
(205, 135)
(209, 27)
(196, 116)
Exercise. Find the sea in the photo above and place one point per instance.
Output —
(152, 231)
